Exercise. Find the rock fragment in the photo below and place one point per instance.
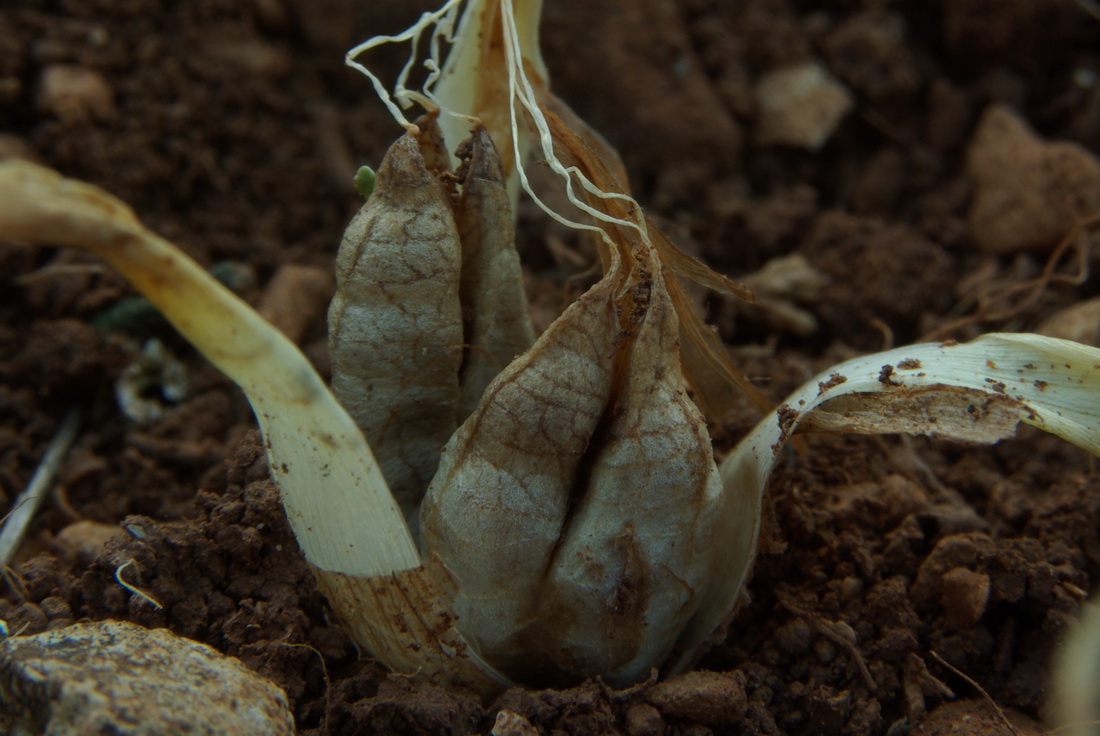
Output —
(85, 539)
(716, 698)
(1028, 193)
(975, 717)
(75, 93)
(965, 596)
(800, 106)
(513, 724)
(119, 678)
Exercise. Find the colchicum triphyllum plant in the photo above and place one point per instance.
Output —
(484, 507)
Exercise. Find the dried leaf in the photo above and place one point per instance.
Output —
(706, 364)
(429, 304)
(475, 79)
(639, 543)
(337, 502)
(395, 323)
(588, 476)
(973, 392)
(335, 497)
(494, 304)
(494, 512)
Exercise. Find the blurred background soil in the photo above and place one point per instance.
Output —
(934, 178)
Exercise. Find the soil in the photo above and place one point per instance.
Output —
(896, 576)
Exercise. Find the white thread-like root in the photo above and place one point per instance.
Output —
(443, 23)
(519, 86)
(133, 588)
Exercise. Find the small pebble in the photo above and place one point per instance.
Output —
(965, 596)
(644, 720)
(800, 106)
(711, 697)
(86, 539)
(1029, 194)
(509, 723)
(119, 678)
(75, 94)
(794, 637)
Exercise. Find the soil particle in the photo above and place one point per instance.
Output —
(1029, 194)
(965, 596)
(868, 52)
(976, 718)
(950, 553)
(715, 698)
(795, 637)
(644, 720)
(873, 273)
(75, 94)
(645, 47)
(400, 708)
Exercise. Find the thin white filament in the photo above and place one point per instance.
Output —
(442, 22)
(519, 87)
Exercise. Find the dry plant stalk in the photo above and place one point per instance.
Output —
(575, 523)
(552, 470)
(545, 470)
(337, 502)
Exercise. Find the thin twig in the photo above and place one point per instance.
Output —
(887, 333)
(974, 683)
(994, 302)
(25, 507)
(829, 630)
(324, 674)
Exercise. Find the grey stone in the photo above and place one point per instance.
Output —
(118, 678)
